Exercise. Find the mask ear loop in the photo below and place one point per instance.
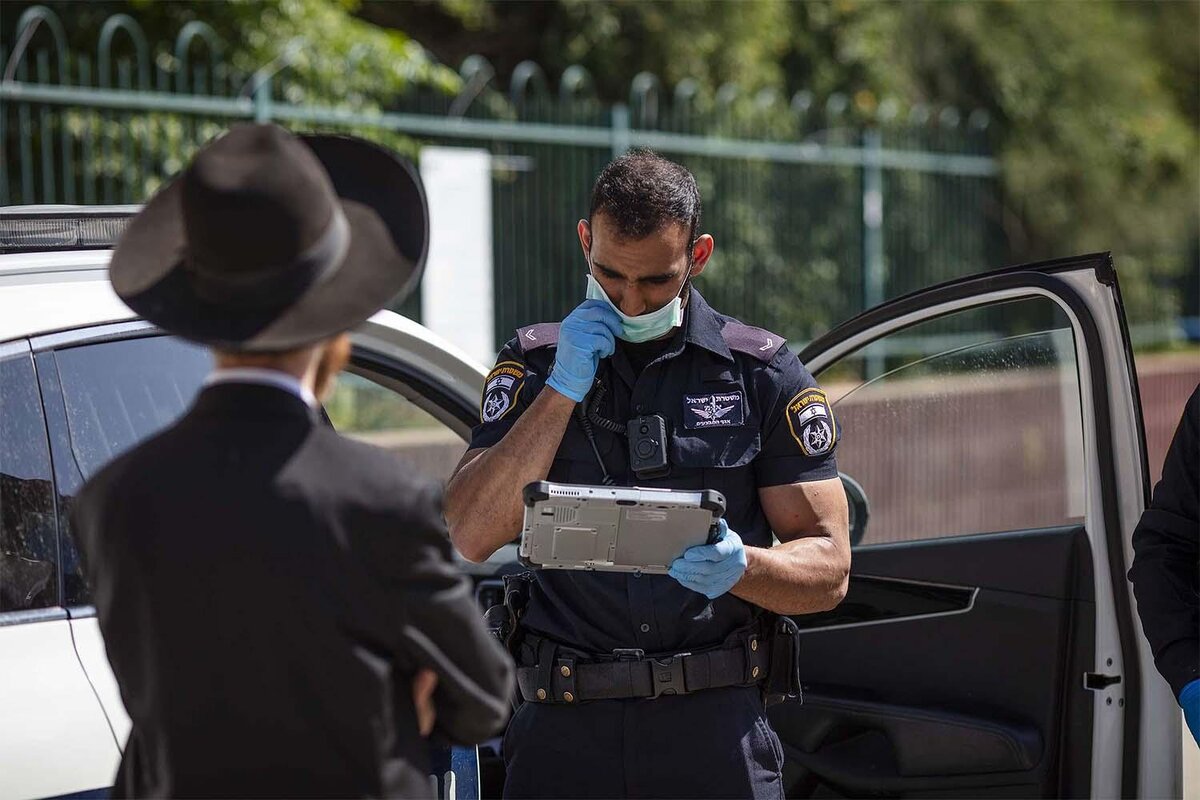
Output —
(687, 275)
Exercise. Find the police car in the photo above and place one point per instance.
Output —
(993, 449)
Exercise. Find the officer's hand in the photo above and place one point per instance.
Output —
(424, 683)
(587, 335)
(1189, 698)
(712, 569)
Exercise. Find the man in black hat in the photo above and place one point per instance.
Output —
(278, 603)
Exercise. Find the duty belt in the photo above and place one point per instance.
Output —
(563, 675)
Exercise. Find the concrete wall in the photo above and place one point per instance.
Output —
(922, 476)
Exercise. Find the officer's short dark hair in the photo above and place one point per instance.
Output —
(641, 192)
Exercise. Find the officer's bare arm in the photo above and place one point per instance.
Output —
(810, 569)
(484, 506)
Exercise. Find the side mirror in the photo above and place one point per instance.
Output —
(860, 509)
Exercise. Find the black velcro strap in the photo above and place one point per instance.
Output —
(544, 671)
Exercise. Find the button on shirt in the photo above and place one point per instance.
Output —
(734, 426)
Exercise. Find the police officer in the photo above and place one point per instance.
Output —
(1166, 566)
(613, 707)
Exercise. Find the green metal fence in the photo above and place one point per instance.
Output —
(817, 212)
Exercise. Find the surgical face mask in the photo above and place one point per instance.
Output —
(643, 327)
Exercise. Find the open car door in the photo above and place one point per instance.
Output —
(988, 644)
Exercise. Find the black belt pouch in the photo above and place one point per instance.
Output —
(783, 678)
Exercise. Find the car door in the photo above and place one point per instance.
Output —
(987, 644)
(54, 739)
(104, 390)
(109, 387)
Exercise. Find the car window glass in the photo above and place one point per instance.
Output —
(28, 549)
(118, 393)
(970, 423)
(370, 412)
(113, 395)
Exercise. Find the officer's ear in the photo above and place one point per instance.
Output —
(584, 229)
(702, 250)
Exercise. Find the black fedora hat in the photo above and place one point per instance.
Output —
(268, 241)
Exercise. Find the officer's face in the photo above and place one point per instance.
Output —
(642, 275)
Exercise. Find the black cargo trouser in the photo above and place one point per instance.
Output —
(712, 744)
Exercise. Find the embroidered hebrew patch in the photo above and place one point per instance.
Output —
(718, 410)
(811, 422)
(501, 389)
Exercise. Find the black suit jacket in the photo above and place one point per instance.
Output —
(267, 589)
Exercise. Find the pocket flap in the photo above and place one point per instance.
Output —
(715, 447)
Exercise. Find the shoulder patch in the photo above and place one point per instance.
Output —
(500, 390)
(531, 337)
(810, 419)
(762, 344)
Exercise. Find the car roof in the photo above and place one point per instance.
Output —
(54, 291)
(53, 268)
(48, 292)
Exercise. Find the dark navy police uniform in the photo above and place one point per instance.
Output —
(742, 413)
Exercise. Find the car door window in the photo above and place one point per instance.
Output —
(28, 550)
(114, 394)
(121, 392)
(363, 409)
(969, 423)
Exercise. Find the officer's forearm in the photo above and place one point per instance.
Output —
(484, 505)
(803, 576)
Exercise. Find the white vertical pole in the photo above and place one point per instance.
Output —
(457, 296)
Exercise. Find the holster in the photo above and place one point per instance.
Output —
(504, 621)
(783, 676)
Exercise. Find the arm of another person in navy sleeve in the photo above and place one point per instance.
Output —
(1166, 547)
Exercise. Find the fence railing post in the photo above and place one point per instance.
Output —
(620, 129)
(872, 239)
(262, 101)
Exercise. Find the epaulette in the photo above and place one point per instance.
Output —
(543, 334)
(761, 344)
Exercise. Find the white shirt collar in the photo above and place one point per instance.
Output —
(266, 377)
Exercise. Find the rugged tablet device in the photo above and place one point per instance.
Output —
(615, 528)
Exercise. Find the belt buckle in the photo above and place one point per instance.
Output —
(666, 675)
(629, 654)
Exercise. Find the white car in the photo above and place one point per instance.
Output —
(988, 645)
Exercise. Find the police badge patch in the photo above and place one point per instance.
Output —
(501, 389)
(811, 422)
(719, 410)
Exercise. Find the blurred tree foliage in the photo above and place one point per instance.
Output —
(332, 56)
(1094, 107)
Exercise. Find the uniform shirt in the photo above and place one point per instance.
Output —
(742, 413)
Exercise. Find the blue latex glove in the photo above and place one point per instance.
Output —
(587, 335)
(712, 569)
(1189, 699)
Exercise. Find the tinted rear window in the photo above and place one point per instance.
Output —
(28, 550)
(118, 393)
